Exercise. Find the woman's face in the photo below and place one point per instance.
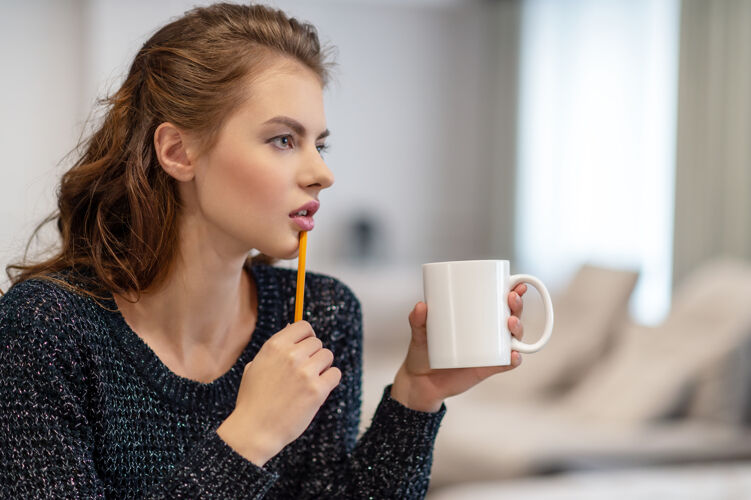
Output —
(265, 164)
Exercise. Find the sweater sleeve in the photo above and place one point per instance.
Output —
(393, 457)
(45, 436)
(214, 470)
(47, 440)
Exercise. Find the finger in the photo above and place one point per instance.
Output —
(487, 371)
(331, 377)
(321, 361)
(307, 347)
(516, 359)
(418, 321)
(418, 316)
(296, 332)
(516, 327)
(521, 289)
(515, 303)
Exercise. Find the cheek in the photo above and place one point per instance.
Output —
(262, 188)
(241, 188)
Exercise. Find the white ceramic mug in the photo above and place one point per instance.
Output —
(468, 313)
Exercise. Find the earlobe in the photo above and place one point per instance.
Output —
(171, 151)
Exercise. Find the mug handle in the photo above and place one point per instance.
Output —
(518, 345)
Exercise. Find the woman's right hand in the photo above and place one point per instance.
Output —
(280, 393)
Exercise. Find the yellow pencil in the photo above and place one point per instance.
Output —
(300, 275)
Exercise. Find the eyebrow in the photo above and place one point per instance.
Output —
(298, 127)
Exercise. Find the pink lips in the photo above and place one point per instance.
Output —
(305, 222)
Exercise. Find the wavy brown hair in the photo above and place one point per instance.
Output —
(117, 209)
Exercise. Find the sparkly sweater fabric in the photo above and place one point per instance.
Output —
(89, 411)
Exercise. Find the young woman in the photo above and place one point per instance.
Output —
(150, 356)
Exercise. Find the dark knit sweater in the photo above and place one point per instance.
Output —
(88, 409)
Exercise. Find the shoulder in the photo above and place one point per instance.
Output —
(331, 291)
(322, 288)
(42, 315)
(35, 299)
(329, 303)
(331, 298)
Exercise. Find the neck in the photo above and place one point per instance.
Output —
(205, 303)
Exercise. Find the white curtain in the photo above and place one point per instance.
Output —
(596, 149)
(713, 170)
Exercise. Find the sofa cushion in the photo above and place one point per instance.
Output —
(655, 372)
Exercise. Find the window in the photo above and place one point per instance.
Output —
(597, 120)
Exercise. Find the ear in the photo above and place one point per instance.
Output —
(171, 148)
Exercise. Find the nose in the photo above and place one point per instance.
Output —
(317, 173)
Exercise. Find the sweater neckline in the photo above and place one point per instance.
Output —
(190, 393)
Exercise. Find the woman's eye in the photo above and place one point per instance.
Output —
(287, 142)
(283, 141)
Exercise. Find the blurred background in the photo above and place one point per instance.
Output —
(602, 145)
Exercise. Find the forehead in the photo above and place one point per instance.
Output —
(287, 88)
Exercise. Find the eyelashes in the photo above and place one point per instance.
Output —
(286, 141)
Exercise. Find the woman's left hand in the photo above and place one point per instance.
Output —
(418, 387)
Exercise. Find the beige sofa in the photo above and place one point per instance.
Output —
(706, 481)
(605, 394)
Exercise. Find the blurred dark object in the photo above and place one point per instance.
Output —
(363, 236)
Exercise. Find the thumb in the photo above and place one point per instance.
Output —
(417, 321)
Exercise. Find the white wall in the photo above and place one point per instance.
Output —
(408, 109)
(40, 94)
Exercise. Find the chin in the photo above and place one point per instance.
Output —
(294, 253)
(288, 253)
